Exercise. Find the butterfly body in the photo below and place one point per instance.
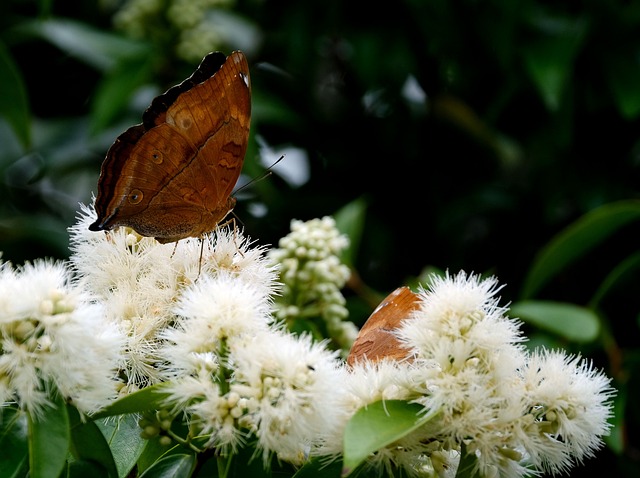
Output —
(172, 176)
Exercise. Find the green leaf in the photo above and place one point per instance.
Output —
(14, 105)
(123, 436)
(549, 58)
(378, 425)
(467, 464)
(49, 439)
(149, 398)
(115, 90)
(577, 239)
(89, 444)
(172, 466)
(350, 221)
(94, 47)
(153, 451)
(617, 275)
(575, 323)
(14, 450)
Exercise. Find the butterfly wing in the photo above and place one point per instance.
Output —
(376, 339)
(172, 176)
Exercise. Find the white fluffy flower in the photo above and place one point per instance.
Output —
(208, 313)
(53, 334)
(139, 281)
(516, 412)
(460, 330)
(462, 311)
(283, 389)
(293, 387)
(569, 401)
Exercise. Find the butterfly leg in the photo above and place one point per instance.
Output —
(201, 239)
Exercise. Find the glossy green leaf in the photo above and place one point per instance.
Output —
(89, 444)
(575, 323)
(14, 104)
(97, 48)
(172, 466)
(14, 450)
(149, 398)
(49, 439)
(378, 425)
(123, 436)
(576, 240)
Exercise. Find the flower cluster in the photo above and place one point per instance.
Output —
(201, 317)
(198, 317)
(313, 276)
(146, 286)
(515, 411)
(54, 337)
(152, 19)
(281, 391)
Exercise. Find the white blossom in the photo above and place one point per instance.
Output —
(54, 339)
(517, 412)
(140, 281)
(292, 383)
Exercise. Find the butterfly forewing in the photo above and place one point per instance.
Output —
(172, 176)
(216, 116)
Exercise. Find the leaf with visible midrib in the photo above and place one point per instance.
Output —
(378, 425)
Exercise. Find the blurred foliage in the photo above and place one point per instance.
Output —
(496, 136)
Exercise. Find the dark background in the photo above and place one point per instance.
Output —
(529, 119)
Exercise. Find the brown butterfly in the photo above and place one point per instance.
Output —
(376, 339)
(172, 176)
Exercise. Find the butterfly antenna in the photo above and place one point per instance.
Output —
(236, 218)
(268, 172)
